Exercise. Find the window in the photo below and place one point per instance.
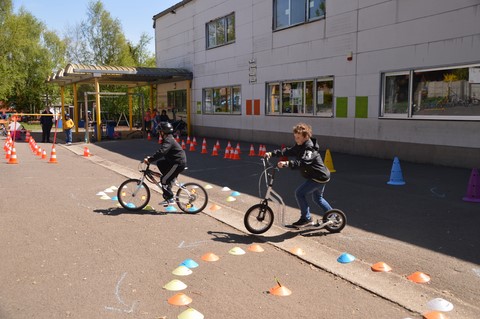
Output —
(396, 94)
(302, 97)
(293, 12)
(177, 101)
(221, 31)
(445, 92)
(222, 100)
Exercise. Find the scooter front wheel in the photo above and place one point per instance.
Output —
(335, 220)
(258, 219)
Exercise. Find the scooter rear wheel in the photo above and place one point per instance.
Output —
(337, 218)
(258, 219)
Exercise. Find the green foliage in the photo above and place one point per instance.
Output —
(29, 53)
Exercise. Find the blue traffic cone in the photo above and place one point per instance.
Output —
(396, 176)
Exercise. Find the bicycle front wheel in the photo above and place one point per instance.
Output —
(133, 195)
(258, 219)
(191, 198)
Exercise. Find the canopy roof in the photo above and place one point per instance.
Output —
(117, 75)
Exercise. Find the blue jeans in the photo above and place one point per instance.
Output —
(68, 134)
(314, 188)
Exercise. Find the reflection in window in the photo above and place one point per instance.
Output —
(222, 100)
(301, 97)
(324, 101)
(293, 12)
(221, 31)
(441, 92)
(396, 93)
(177, 101)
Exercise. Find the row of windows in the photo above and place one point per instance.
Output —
(452, 92)
(287, 13)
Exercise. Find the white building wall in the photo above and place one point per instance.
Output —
(382, 35)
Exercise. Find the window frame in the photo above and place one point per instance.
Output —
(228, 24)
(275, 102)
(295, 6)
(231, 92)
(431, 90)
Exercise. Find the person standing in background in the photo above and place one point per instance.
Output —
(47, 122)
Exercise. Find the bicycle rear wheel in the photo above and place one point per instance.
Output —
(133, 195)
(258, 219)
(191, 198)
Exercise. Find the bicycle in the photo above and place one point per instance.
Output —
(259, 218)
(134, 194)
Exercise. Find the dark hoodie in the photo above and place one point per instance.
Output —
(307, 159)
(171, 150)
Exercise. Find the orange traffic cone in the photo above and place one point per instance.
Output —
(227, 153)
(86, 152)
(252, 151)
(9, 153)
(188, 140)
(204, 147)
(13, 157)
(39, 152)
(194, 141)
(148, 136)
(236, 154)
(44, 154)
(183, 145)
(192, 147)
(217, 145)
(53, 156)
(214, 151)
(160, 139)
(261, 150)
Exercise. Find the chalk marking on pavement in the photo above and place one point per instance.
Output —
(119, 299)
(432, 190)
(193, 244)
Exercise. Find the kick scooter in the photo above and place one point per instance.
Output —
(259, 218)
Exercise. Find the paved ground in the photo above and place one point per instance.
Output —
(67, 253)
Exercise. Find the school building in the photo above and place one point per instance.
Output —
(380, 78)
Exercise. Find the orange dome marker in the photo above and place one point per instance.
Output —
(256, 248)
(280, 290)
(179, 299)
(434, 315)
(210, 257)
(419, 277)
(215, 207)
(381, 267)
(297, 251)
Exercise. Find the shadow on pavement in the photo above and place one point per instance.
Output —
(427, 211)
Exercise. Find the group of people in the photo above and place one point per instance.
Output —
(46, 121)
(152, 119)
(305, 157)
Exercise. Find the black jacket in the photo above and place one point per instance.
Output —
(171, 151)
(307, 159)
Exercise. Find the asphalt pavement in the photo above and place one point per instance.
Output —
(422, 226)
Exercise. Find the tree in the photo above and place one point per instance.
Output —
(29, 53)
(99, 40)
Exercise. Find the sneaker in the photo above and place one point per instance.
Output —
(168, 202)
(302, 222)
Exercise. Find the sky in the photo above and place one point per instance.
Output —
(134, 16)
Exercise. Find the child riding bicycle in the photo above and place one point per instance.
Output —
(309, 161)
(171, 161)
